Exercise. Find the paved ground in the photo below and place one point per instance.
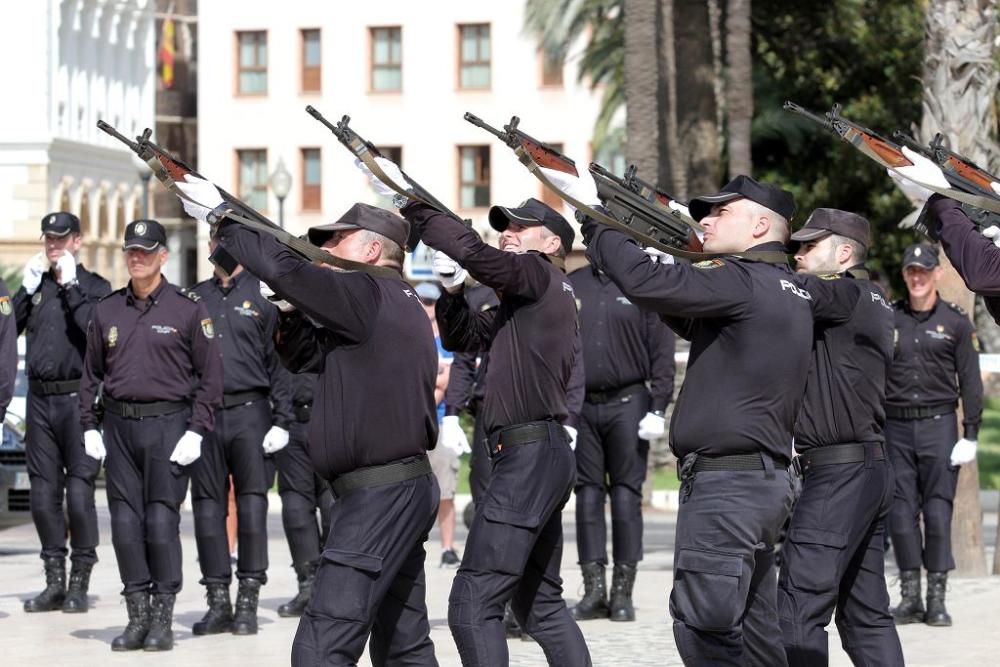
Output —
(62, 639)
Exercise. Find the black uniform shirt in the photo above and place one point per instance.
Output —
(931, 349)
(372, 345)
(751, 329)
(56, 320)
(531, 335)
(974, 256)
(845, 393)
(245, 324)
(8, 350)
(622, 345)
(303, 388)
(465, 383)
(158, 349)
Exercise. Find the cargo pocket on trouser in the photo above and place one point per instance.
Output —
(344, 585)
(710, 589)
(510, 537)
(812, 558)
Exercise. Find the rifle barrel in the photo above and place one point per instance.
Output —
(479, 122)
(312, 111)
(105, 127)
(795, 108)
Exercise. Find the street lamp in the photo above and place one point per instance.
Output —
(281, 185)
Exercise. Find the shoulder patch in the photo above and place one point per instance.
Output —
(957, 308)
(207, 328)
(975, 342)
(5, 307)
(709, 264)
(189, 294)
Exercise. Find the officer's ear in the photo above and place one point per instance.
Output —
(374, 251)
(75, 241)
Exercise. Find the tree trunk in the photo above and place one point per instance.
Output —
(642, 86)
(671, 169)
(960, 81)
(739, 86)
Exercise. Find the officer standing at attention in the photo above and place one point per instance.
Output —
(935, 343)
(833, 551)
(152, 345)
(8, 353)
(373, 421)
(623, 349)
(54, 306)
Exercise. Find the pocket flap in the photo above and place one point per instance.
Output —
(696, 560)
(510, 517)
(815, 536)
(358, 561)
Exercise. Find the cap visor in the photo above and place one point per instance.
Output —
(320, 234)
(501, 216)
(140, 245)
(810, 234)
(699, 207)
(917, 262)
(53, 232)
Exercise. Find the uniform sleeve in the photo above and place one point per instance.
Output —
(717, 289)
(460, 383)
(576, 388)
(345, 303)
(281, 380)
(22, 308)
(8, 350)
(833, 299)
(93, 373)
(520, 274)
(461, 328)
(300, 345)
(973, 255)
(80, 299)
(661, 345)
(970, 381)
(206, 357)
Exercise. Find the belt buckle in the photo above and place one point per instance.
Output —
(130, 410)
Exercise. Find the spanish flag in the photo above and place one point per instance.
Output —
(167, 50)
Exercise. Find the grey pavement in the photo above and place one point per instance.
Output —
(84, 639)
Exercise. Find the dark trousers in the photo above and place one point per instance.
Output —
(920, 452)
(371, 580)
(58, 466)
(513, 552)
(479, 462)
(610, 458)
(833, 557)
(723, 601)
(233, 448)
(302, 492)
(145, 491)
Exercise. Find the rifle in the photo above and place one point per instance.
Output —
(530, 151)
(169, 169)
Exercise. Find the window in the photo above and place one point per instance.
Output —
(252, 47)
(312, 181)
(251, 183)
(552, 70)
(474, 56)
(387, 59)
(312, 61)
(549, 197)
(474, 176)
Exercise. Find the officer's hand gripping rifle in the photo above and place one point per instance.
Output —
(169, 170)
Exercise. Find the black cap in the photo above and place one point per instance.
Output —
(780, 201)
(923, 255)
(532, 213)
(144, 234)
(60, 223)
(825, 221)
(364, 216)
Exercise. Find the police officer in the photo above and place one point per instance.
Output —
(54, 305)
(8, 353)
(253, 423)
(935, 343)
(152, 344)
(623, 349)
(373, 421)
(833, 553)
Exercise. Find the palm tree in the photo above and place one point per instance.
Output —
(739, 86)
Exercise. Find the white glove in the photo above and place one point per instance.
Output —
(275, 439)
(658, 256)
(581, 188)
(652, 426)
(93, 444)
(33, 272)
(923, 171)
(571, 434)
(268, 293)
(964, 451)
(453, 437)
(993, 232)
(391, 171)
(66, 268)
(447, 271)
(916, 193)
(202, 197)
(188, 449)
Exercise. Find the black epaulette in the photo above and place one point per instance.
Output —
(899, 303)
(118, 292)
(957, 308)
(184, 291)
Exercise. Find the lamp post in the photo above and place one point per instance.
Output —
(281, 185)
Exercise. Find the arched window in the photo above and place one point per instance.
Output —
(103, 227)
(85, 215)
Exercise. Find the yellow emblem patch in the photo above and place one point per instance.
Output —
(975, 341)
(709, 264)
(246, 305)
(829, 276)
(5, 308)
(207, 328)
(112, 336)
(37, 299)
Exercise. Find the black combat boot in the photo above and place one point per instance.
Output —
(937, 615)
(297, 605)
(161, 617)
(138, 623)
(595, 593)
(219, 617)
(622, 581)
(51, 599)
(76, 594)
(245, 620)
(911, 607)
(511, 628)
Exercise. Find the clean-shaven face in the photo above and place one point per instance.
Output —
(729, 227)
(145, 264)
(522, 238)
(921, 282)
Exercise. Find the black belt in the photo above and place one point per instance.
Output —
(614, 394)
(519, 434)
(303, 412)
(851, 452)
(242, 397)
(918, 411)
(389, 473)
(55, 387)
(693, 463)
(140, 410)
